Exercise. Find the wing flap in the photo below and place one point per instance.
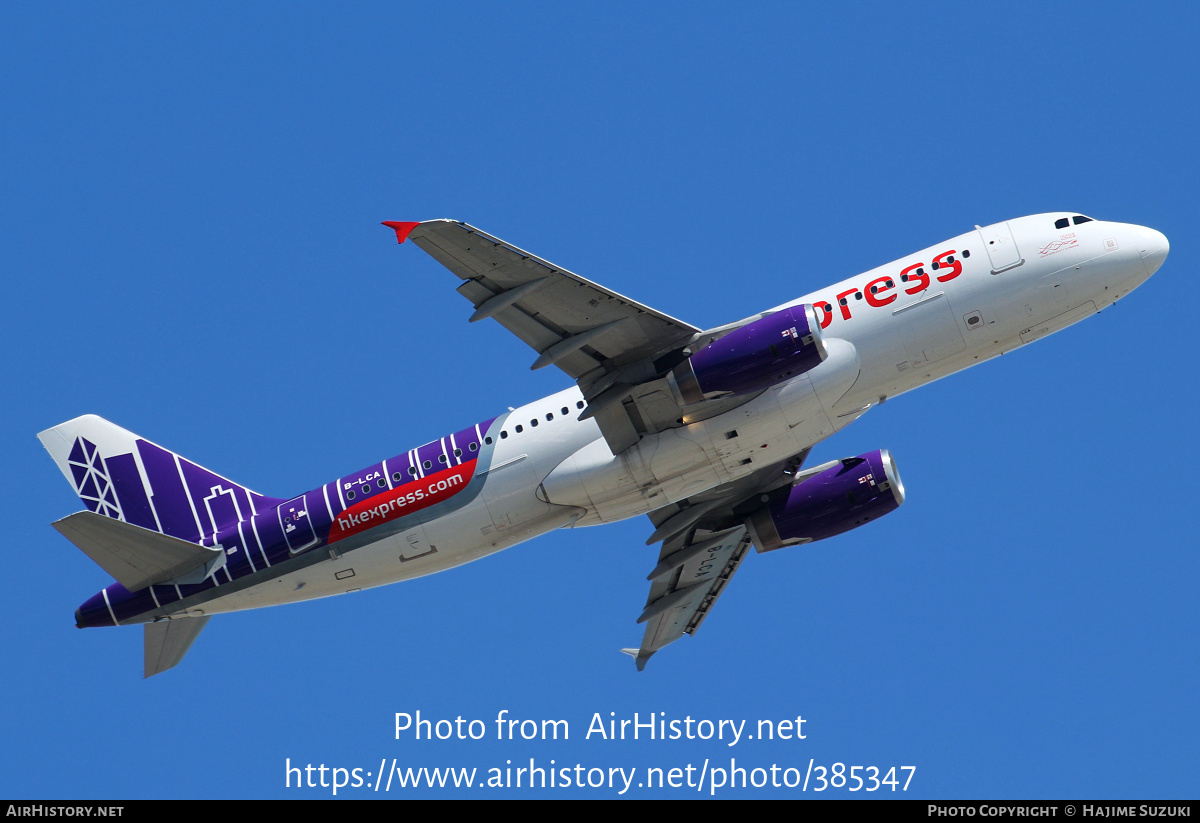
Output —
(617, 428)
(137, 557)
(682, 595)
(705, 540)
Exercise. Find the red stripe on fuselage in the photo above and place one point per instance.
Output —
(402, 500)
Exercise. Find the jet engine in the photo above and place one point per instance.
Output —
(836, 500)
(753, 357)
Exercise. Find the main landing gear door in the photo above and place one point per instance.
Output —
(293, 517)
(1001, 247)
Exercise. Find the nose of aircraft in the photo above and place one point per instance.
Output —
(1153, 247)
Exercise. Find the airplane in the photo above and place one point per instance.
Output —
(704, 431)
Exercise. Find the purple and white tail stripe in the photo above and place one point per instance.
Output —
(122, 476)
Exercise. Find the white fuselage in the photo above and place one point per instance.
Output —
(1021, 280)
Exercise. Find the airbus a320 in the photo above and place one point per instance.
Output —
(704, 431)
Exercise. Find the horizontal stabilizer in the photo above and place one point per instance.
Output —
(138, 557)
(167, 641)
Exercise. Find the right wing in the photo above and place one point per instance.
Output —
(571, 322)
(619, 351)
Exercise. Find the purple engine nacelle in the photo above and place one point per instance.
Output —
(836, 500)
(753, 357)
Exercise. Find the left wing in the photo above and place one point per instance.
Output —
(704, 542)
(167, 641)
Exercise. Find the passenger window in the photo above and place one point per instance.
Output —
(533, 422)
(458, 452)
(1079, 218)
(1062, 224)
(519, 428)
(412, 470)
(503, 435)
(579, 404)
(441, 458)
(365, 490)
(349, 495)
(565, 411)
(549, 416)
(487, 441)
(381, 483)
(428, 464)
(474, 446)
(396, 477)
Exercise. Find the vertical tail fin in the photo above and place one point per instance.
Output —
(120, 475)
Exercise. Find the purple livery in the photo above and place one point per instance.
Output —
(706, 432)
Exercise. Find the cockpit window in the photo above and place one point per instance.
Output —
(1062, 223)
(1079, 218)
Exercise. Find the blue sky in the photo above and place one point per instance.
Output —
(191, 202)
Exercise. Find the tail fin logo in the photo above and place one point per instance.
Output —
(91, 479)
(125, 477)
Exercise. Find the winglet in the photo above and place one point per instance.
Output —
(401, 229)
(639, 656)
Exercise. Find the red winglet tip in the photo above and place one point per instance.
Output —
(401, 229)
